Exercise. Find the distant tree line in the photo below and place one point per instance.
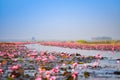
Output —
(99, 42)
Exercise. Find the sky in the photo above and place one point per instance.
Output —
(59, 19)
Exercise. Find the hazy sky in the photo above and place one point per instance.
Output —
(59, 19)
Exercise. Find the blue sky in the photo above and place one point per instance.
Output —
(59, 19)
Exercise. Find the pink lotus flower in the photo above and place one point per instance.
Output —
(85, 66)
(55, 70)
(39, 78)
(15, 60)
(48, 76)
(1, 71)
(0, 64)
(95, 64)
(45, 60)
(15, 67)
(75, 74)
(13, 76)
(38, 58)
(51, 57)
(53, 78)
(75, 65)
(63, 64)
(98, 56)
(42, 53)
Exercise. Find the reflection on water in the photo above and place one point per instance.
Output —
(107, 66)
(108, 54)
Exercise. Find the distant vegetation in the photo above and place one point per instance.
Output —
(99, 42)
(82, 41)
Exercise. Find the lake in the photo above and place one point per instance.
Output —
(109, 65)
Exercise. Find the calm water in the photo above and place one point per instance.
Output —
(110, 62)
(108, 54)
